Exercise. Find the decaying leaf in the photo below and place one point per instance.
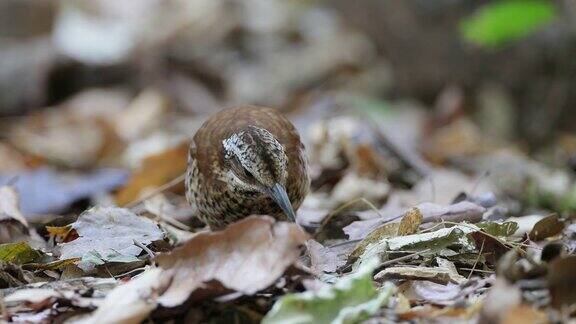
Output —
(108, 234)
(131, 302)
(463, 211)
(505, 229)
(408, 225)
(323, 259)
(430, 241)
(46, 190)
(351, 299)
(18, 253)
(156, 170)
(546, 227)
(247, 256)
(10, 206)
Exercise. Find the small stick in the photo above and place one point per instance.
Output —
(157, 190)
(146, 249)
(477, 259)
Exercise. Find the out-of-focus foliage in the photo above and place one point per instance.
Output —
(498, 23)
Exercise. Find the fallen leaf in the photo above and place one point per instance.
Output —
(131, 302)
(143, 114)
(156, 170)
(430, 292)
(61, 138)
(247, 256)
(455, 277)
(505, 229)
(10, 206)
(351, 299)
(432, 242)
(463, 211)
(408, 225)
(108, 234)
(323, 259)
(411, 221)
(546, 227)
(45, 190)
(353, 186)
(18, 253)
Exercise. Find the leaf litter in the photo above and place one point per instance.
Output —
(414, 214)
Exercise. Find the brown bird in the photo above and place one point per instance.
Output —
(246, 161)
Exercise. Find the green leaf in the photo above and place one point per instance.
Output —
(351, 299)
(499, 229)
(498, 23)
(18, 253)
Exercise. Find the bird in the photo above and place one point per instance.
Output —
(246, 160)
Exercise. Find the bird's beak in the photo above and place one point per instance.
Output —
(279, 195)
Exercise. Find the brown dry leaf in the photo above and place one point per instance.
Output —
(62, 233)
(408, 225)
(367, 162)
(143, 114)
(131, 302)
(410, 222)
(247, 256)
(61, 138)
(156, 170)
(546, 227)
(10, 206)
(459, 212)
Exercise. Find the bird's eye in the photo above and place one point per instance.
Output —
(240, 171)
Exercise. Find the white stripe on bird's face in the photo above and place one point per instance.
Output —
(255, 159)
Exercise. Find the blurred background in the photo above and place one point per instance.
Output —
(105, 94)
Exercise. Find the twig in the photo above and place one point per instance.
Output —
(129, 272)
(477, 270)
(408, 156)
(344, 206)
(477, 259)
(146, 249)
(157, 190)
(402, 258)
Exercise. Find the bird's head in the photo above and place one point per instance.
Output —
(256, 162)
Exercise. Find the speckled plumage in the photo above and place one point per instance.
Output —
(236, 152)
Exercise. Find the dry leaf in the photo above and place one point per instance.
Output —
(109, 234)
(131, 302)
(408, 225)
(10, 206)
(247, 256)
(323, 259)
(463, 211)
(546, 227)
(46, 190)
(156, 170)
(410, 222)
(142, 115)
